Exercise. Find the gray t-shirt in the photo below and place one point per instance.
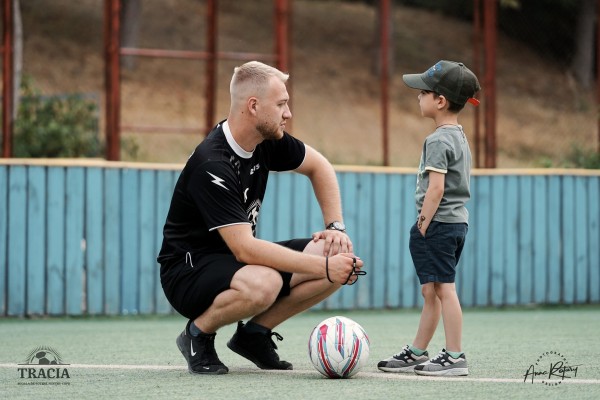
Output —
(447, 151)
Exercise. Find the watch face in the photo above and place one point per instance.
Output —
(338, 226)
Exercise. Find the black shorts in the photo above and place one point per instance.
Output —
(436, 254)
(192, 285)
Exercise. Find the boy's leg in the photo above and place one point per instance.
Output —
(452, 315)
(450, 361)
(430, 316)
(406, 360)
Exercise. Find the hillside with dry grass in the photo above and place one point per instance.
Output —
(335, 97)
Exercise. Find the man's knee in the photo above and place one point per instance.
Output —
(260, 286)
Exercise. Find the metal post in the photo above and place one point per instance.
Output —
(477, 72)
(385, 32)
(282, 45)
(598, 71)
(112, 78)
(7, 80)
(489, 24)
(282, 34)
(211, 63)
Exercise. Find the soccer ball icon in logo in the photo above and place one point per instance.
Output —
(43, 356)
(338, 347)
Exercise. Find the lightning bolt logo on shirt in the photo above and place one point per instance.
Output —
(217, 181)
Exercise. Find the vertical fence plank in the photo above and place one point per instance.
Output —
(300, 202)
(556, 245)
(55, 293)
(482, 241)
(525, 242)
(17, 240)
(364, 236)
(267, 221)
(36, 240)
(283, 210)
(3, 237)
(380, 236)
(112, 241)
(315, 215)
(498, 229)
(582, 253)
(395, 230)
(594, 239)
(568, 238)
(94, 239)
(465, 278)
(165, 183)
(540, 239)
(511, 241)
(74, 218)
(148, 227)
(411, 288)
(130, 220)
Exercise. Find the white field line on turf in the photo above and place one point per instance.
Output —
(364, 374)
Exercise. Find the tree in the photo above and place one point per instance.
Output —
(582, 65)
(17, 55)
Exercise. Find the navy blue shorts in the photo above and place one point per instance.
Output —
(192, 284)
(436, 254)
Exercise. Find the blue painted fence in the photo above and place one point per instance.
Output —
(81, 237)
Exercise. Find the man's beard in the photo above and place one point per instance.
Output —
(267, 131)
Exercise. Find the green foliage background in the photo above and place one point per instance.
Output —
(59, 126)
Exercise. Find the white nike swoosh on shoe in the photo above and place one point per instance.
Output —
(192, 347)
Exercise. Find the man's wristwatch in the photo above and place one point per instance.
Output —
(337, 226)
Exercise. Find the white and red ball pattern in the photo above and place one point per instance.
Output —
(338, 347)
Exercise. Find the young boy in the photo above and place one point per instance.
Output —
(438, 236)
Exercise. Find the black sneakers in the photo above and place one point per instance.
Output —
(200, 353)
(258, 348)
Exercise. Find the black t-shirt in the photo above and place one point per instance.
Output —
(222, 184)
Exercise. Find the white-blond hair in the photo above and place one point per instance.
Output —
(252, 79)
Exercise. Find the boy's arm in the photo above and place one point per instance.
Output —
(433, 196)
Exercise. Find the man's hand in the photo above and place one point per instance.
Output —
(335, 242)
(344, 268)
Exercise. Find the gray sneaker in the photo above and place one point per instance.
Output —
(444, 365)
(405, 361)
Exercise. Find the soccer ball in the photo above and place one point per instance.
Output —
(338, 347)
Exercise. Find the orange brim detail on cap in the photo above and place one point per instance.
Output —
(473, 101)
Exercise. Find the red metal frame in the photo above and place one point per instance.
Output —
(112, 90)
(598, 70)
(282, 58)
(210, 56)
(489, 40)
(7, 79)
(477, 28)
(385, 78)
